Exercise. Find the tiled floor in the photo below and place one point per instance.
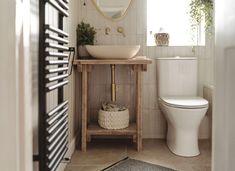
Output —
(101, 154)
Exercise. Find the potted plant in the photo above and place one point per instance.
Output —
(85, 36)
(201, 10)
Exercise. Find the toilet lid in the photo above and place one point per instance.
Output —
(185, 102)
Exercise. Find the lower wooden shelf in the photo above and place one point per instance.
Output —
(95, 129)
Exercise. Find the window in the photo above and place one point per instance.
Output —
(173, 17)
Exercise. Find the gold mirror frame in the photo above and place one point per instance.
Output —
(110, 18)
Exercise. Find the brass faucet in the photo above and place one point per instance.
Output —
(113, 84)
(121, 30)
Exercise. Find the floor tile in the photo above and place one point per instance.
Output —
(84, 168)
(102, 153)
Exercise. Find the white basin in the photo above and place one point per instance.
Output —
(113, 51)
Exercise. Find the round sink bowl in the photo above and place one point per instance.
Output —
(113, 51)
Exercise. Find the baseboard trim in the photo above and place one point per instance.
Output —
(71, 149)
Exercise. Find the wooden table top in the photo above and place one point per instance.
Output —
(132, 61)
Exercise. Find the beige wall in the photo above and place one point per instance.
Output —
(8, 108)
(70, 26)
(154, 124)
(16, 88)
(113, 3)
(224, 118)
(70, 88)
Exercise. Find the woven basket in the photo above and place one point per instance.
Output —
(113, 120)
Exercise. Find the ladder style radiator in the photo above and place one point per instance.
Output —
(55, 66)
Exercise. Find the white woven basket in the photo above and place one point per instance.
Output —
(113, 120)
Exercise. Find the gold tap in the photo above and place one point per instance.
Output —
(107, 30)
(121, 30)
(113, 84)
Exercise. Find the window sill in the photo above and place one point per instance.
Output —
(176, 46)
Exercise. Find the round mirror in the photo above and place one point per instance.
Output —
(112, 9)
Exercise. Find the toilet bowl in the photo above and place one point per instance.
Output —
(178, 100)
(183, 115)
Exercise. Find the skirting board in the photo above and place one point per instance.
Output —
(69, 154)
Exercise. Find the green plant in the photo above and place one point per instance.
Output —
(85, 34)
(200, 10)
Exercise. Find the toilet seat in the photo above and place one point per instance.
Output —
(185, 102)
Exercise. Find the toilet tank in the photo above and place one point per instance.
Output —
(177, 76)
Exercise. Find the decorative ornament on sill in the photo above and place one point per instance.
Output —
(162, 38)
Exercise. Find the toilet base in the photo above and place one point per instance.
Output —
(182, 142)
(183, 125)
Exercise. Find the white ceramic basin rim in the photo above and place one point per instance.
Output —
(113, 51)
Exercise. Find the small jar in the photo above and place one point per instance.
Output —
(162, 39)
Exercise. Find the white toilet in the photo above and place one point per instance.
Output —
(178, 100)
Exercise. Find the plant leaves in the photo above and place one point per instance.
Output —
(85, 34)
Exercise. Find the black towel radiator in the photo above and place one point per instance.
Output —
(55, 66)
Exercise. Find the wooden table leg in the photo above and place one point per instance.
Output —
(84, 107)
(139, 107)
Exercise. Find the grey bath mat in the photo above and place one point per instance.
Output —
(128, 164)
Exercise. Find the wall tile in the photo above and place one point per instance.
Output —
(208, 95)
(145, 113)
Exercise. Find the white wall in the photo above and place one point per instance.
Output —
(70, 89)
(134, 24)
(16, 89)
(224, 118)
(8, 122)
